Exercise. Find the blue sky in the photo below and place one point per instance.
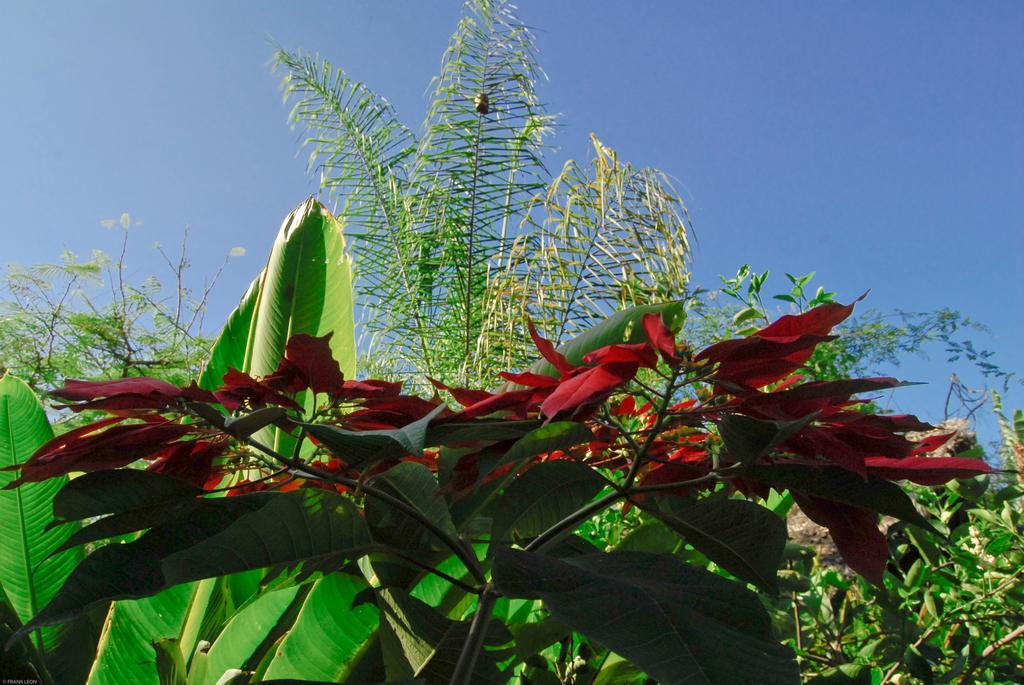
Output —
(879, 144)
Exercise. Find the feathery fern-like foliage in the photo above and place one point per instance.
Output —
(446, 232)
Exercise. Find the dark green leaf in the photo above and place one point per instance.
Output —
(414, 484)
(220, 537)
(361, 447)
(678, 623)
(542, 497)
(418, 641)
(110, 492)
(748, 439)
(742, 537)
(560, 435)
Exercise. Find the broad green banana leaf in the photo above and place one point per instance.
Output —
(28, 581)
(306, 287)
(124, 654)
(253, 630)
(330, 634)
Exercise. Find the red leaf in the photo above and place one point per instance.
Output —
(308, 363)
(463, 396)
(639, 353)
(927, 470)
(661, 337)
(516, 401)
(548, 351)
(369, 388)
(755, 362)
(92, 449)
(855, 532)
(817, 397)
(818, 321)
(122, 394)
(530, 380)
(582, 392)
(74, 390)
(775, 351)
(240, 388)
(191, 461)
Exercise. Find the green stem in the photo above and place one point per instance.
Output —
(463, 673)
(462, 551)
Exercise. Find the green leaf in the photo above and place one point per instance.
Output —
(331, 632)
(124, 653)
(748, 439)
(742, 537)
(362, 447)
(840, 485)
(170, 665)
(306, 287)
(542, 497)
(416, 485)
(622, 327)
(418, 641)
(25, 512)
(678, 623)
(221, 537)
(746, 315)
(111, 492)
(618, 671)
(560, 435)
(250, 633)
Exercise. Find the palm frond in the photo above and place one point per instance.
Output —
(607, 237)
(478, 164)
(361, 150)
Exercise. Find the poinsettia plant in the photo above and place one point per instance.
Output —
(484, 494)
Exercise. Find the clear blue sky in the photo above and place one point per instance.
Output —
(880, 144)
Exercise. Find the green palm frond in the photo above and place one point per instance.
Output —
(478, 164)
(461, 236)
(361, 150)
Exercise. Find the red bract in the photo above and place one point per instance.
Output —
(855, 532)
(530, 380)
(463, 396)
(926, 470)
(122, 394)
(820, 397)
(191, 461)
(548, 351)
(389, 412)
(638, 353)
(308, 363)
(775, 351)
(818, 321)
(578, 395)
(661, 338)
(360, 390)
(755, 362)
(99, 446)
(239, 388)
(516, 402)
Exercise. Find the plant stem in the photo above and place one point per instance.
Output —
(549, 536)
(990, 650)
(453, 543)
(475, 639)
